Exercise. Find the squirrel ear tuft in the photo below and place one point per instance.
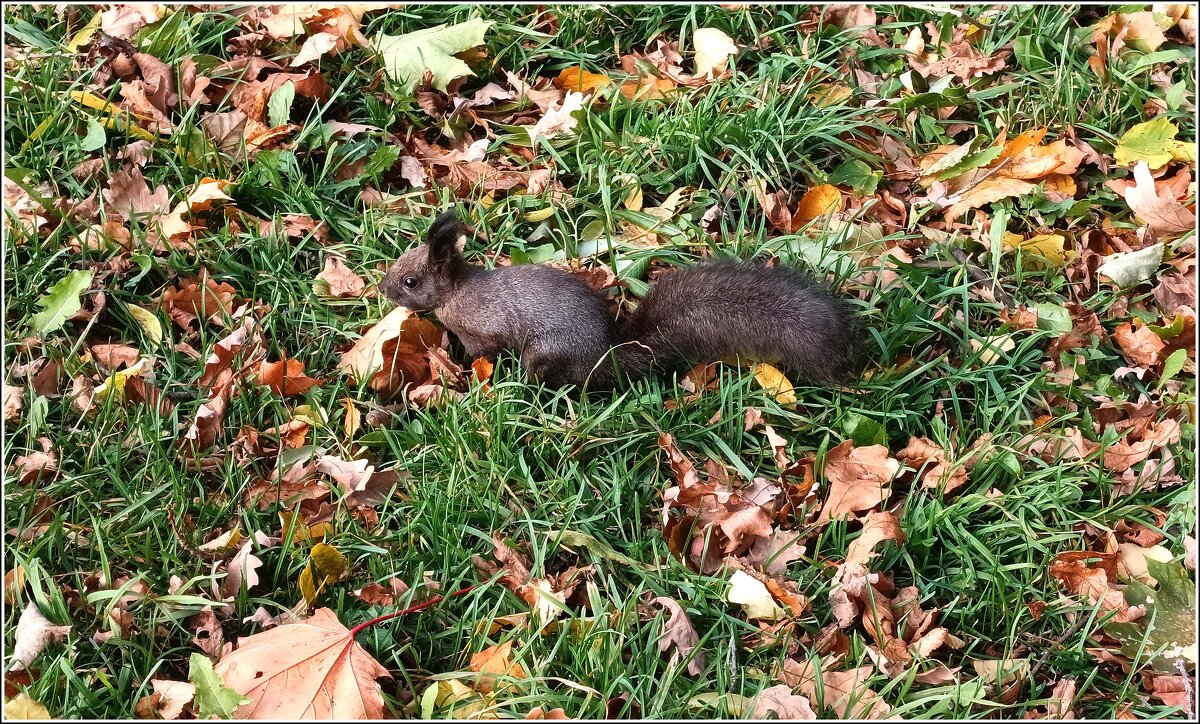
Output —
(443, 236)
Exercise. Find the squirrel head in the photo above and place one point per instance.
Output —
(424, 278)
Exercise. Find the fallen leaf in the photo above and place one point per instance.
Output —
(1152, 143)
(817, 202)
(775, 383)
(342, 282)
(679, 636)
(408, 57)
(168, 700)
(713, 49)
(23, 708)
(286, 377)
(493, 663)
(1139, 344)
(845, 692)
(558, 119)
(783, 703)
(213, 699)
(857, 479)
(60, 302)
(392, 353)
(34, 633)
(1160, 211)
(313, 669)
(578, 80)
(754, 598)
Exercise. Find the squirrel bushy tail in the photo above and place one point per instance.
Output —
(719, 310)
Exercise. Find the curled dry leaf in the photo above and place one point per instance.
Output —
(392, 353)
(34, 633)
(845, 692)
(168, 700)
(313, 669)
(679, 636)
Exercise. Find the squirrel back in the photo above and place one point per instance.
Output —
(564, 334)
(717, 310)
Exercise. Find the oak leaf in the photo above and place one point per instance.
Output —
(286, 377)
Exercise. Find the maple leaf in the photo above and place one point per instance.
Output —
(1139, 344)
(313, 669)
(408, 57)
(857, 479)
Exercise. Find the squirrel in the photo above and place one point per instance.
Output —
(564, 333)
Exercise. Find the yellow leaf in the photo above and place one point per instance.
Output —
(114, 386)
(1047, 246)
(21, 707)
(992, 349)
(774, 381)
(303, 533)
(1022, 142)
(581, 81)
(817, 201)
(326, 566)
(540, 214)
(829, 94)
(147, 321)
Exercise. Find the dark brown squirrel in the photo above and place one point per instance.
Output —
(564, 333)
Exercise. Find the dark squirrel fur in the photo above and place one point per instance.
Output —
(564, 333)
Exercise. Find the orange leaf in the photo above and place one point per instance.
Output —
(313, 669)
(494, 662)
(286, 377)
(581, 81)
(1016, 146)
(818, 201)
(647, 88)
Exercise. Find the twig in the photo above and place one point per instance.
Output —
(1044, 658)
(411, 609)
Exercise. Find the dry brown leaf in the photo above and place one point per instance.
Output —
(363, 485)
(313, 669)
(1158, 209)
(783, 703)
(878, 527)
(679, 636)
(36, 465)
(286, 377)
(127, 194)
(845, 692)
(34, 633)
(992, 188)
(857, 479)
(538, 712)
(1139, 344)
(392, 353)
(168, 700)
(342, 282)
(13, 395)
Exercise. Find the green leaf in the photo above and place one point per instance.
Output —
(407, 57)
(1153, 142)
(1053, 318)
(863, 430)
(1168, 629)
(858, 176)
(60, 302)
(95, 138)
(384, 158)
(213, 698)
(279, 107)
(597, 547)
(1172, 366)
(1127, 268)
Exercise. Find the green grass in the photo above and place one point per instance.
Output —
(526, 461)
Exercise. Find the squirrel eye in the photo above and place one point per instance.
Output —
(410, 282)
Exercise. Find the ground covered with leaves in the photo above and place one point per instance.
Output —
(226, 455)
